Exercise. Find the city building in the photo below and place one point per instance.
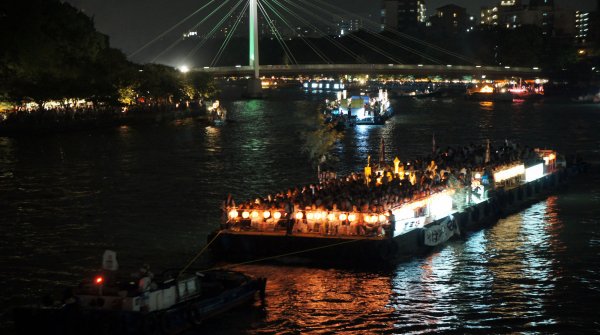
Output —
(450, 18)
(544, 11)
(402, 15)
(346, 24)
(489, 16)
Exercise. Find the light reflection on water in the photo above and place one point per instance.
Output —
(152, 193)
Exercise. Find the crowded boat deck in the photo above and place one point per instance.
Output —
(387, 200)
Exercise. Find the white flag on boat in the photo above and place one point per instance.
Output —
(109, 261)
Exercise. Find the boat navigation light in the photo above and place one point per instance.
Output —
(233, 214)
(245, 215)
(276, 215)
(351, 217)
(266, 214)
(299, 216)
(254, 214)
(99, 280)
(343, 217)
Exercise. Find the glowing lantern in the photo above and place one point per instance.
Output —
(317, 215)
(299, 216)
(266, 214)
(233, 214)
(245, 215)
(310, 215)
(254, 214)
(352, 217)
(486, 89)
(331, 217)
(277, 215)
(343, 217)
(99, 280)
(381, 218)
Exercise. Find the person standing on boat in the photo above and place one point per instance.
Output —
(468, 180)
(227, 204)
(288, 216)
(392, 224)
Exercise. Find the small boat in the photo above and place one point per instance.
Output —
(169, 304)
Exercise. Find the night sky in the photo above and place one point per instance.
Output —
(132, 23)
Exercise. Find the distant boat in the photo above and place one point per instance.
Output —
(359, 109)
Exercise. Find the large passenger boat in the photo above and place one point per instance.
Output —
(388, 212)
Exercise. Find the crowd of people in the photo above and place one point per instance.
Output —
(385, 188)
(24, 118)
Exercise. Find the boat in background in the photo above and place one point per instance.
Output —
(509, 92)
(360, 109)
(168, 304)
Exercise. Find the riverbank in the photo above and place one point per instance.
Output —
(28, 122)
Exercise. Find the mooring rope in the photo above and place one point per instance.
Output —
(199, 254)
(286, 254)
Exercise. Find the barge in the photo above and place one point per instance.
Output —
(376, 234)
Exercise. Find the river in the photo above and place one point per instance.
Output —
(152, 193)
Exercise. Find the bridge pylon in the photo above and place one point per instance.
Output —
(254, 88)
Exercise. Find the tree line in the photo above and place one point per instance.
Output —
(52, 51)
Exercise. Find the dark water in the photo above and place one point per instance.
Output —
(152, 194)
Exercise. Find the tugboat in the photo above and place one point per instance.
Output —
(359, 110)
(166, 304)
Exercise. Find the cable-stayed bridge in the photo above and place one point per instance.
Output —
(396, 52)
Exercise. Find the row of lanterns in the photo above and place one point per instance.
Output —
(233, 214)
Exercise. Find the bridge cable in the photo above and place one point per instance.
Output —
(348, 51)
(351, 53)
(214, 30)
(307, 42)
(229, 35)
(170, 29)
(179, 40)
(388, 40)
(356, 38)
(277, 34)
(401, 34)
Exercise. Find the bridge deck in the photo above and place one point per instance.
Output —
(491, 72)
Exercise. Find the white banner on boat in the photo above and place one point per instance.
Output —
(442, 232)
(109, 261)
